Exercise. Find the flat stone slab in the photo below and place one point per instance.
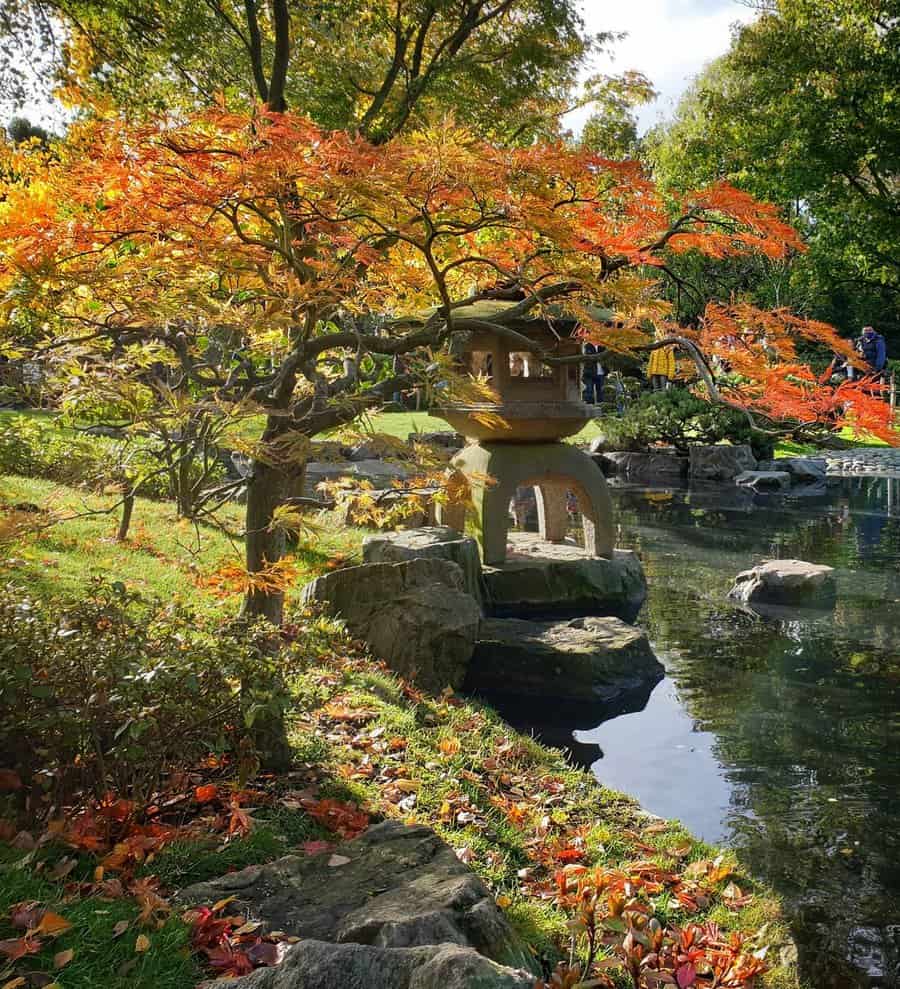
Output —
(764, 480)
(320, 965)
(395, 886)
(582, 659)
(432, 542)
(786, 582)
(542, 580)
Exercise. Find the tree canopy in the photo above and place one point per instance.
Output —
(803, 111)
(274, 266)
(365, 65)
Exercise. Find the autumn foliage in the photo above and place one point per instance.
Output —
(260, 264)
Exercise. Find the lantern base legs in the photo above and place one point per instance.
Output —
(494, 471)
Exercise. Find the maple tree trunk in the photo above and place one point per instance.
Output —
(263, 548)
(265, 492)
(127, 509)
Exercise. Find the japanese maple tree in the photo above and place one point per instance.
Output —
(274, 267)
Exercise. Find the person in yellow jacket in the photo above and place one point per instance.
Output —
(661, 369)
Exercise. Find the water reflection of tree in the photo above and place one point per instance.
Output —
(806, 712)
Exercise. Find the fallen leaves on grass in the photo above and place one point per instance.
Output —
(230, 945)
(344, 819)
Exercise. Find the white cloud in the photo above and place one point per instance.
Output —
(670, 41)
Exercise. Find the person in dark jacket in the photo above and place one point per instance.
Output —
(593, 376)
(873, 350)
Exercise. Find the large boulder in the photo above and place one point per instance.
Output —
(416, 616)
(720, 462)
(662, 464)
(542, 580)
(582, 659)
(396, 886)
(433, 542)
(764, 480)
(320, 965)
(449, 439)
(786, 582)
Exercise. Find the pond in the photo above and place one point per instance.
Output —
(778, 737)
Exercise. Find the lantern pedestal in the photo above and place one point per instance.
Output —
(493, 471)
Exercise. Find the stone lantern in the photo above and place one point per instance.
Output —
(539, 405)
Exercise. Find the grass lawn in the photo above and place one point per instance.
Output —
(163, 557)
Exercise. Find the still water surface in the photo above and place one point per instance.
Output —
(777, 736)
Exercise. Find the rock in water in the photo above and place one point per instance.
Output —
(586, 658)
(804, 470)
(402, 887)
(319, 965)
(542, 580)
(416, 616)
(720, 462)
(656, 464)
(786, 582)
(764, 480)
(434, 542)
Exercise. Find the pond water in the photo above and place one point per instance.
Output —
(777, 736)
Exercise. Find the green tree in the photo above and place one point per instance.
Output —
(21, 129)
(611, 129)
(805, 110)
(366, 65)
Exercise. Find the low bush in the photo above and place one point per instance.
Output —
(113, 694)
(679, 418)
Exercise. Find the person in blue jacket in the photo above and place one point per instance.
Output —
(872, 349)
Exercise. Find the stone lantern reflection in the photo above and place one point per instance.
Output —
(519, 444)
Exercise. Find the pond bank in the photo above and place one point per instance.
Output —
(776, 737)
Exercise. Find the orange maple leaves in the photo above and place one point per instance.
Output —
(274, 227)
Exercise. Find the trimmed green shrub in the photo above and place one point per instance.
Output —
(679, 418)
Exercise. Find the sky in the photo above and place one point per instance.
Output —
(670, 41)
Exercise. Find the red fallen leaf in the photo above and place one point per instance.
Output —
(569, 855)
(347, 820)
(208, 930)
(224, 958)
(19, 947)
(263, 953)
(685, 975)
(206, 794)
(116, 810)
(26, 915)
(316, 847)
(7, 829)
(10, 780)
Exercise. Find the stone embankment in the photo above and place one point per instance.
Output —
(883, 460)
(426, 606)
